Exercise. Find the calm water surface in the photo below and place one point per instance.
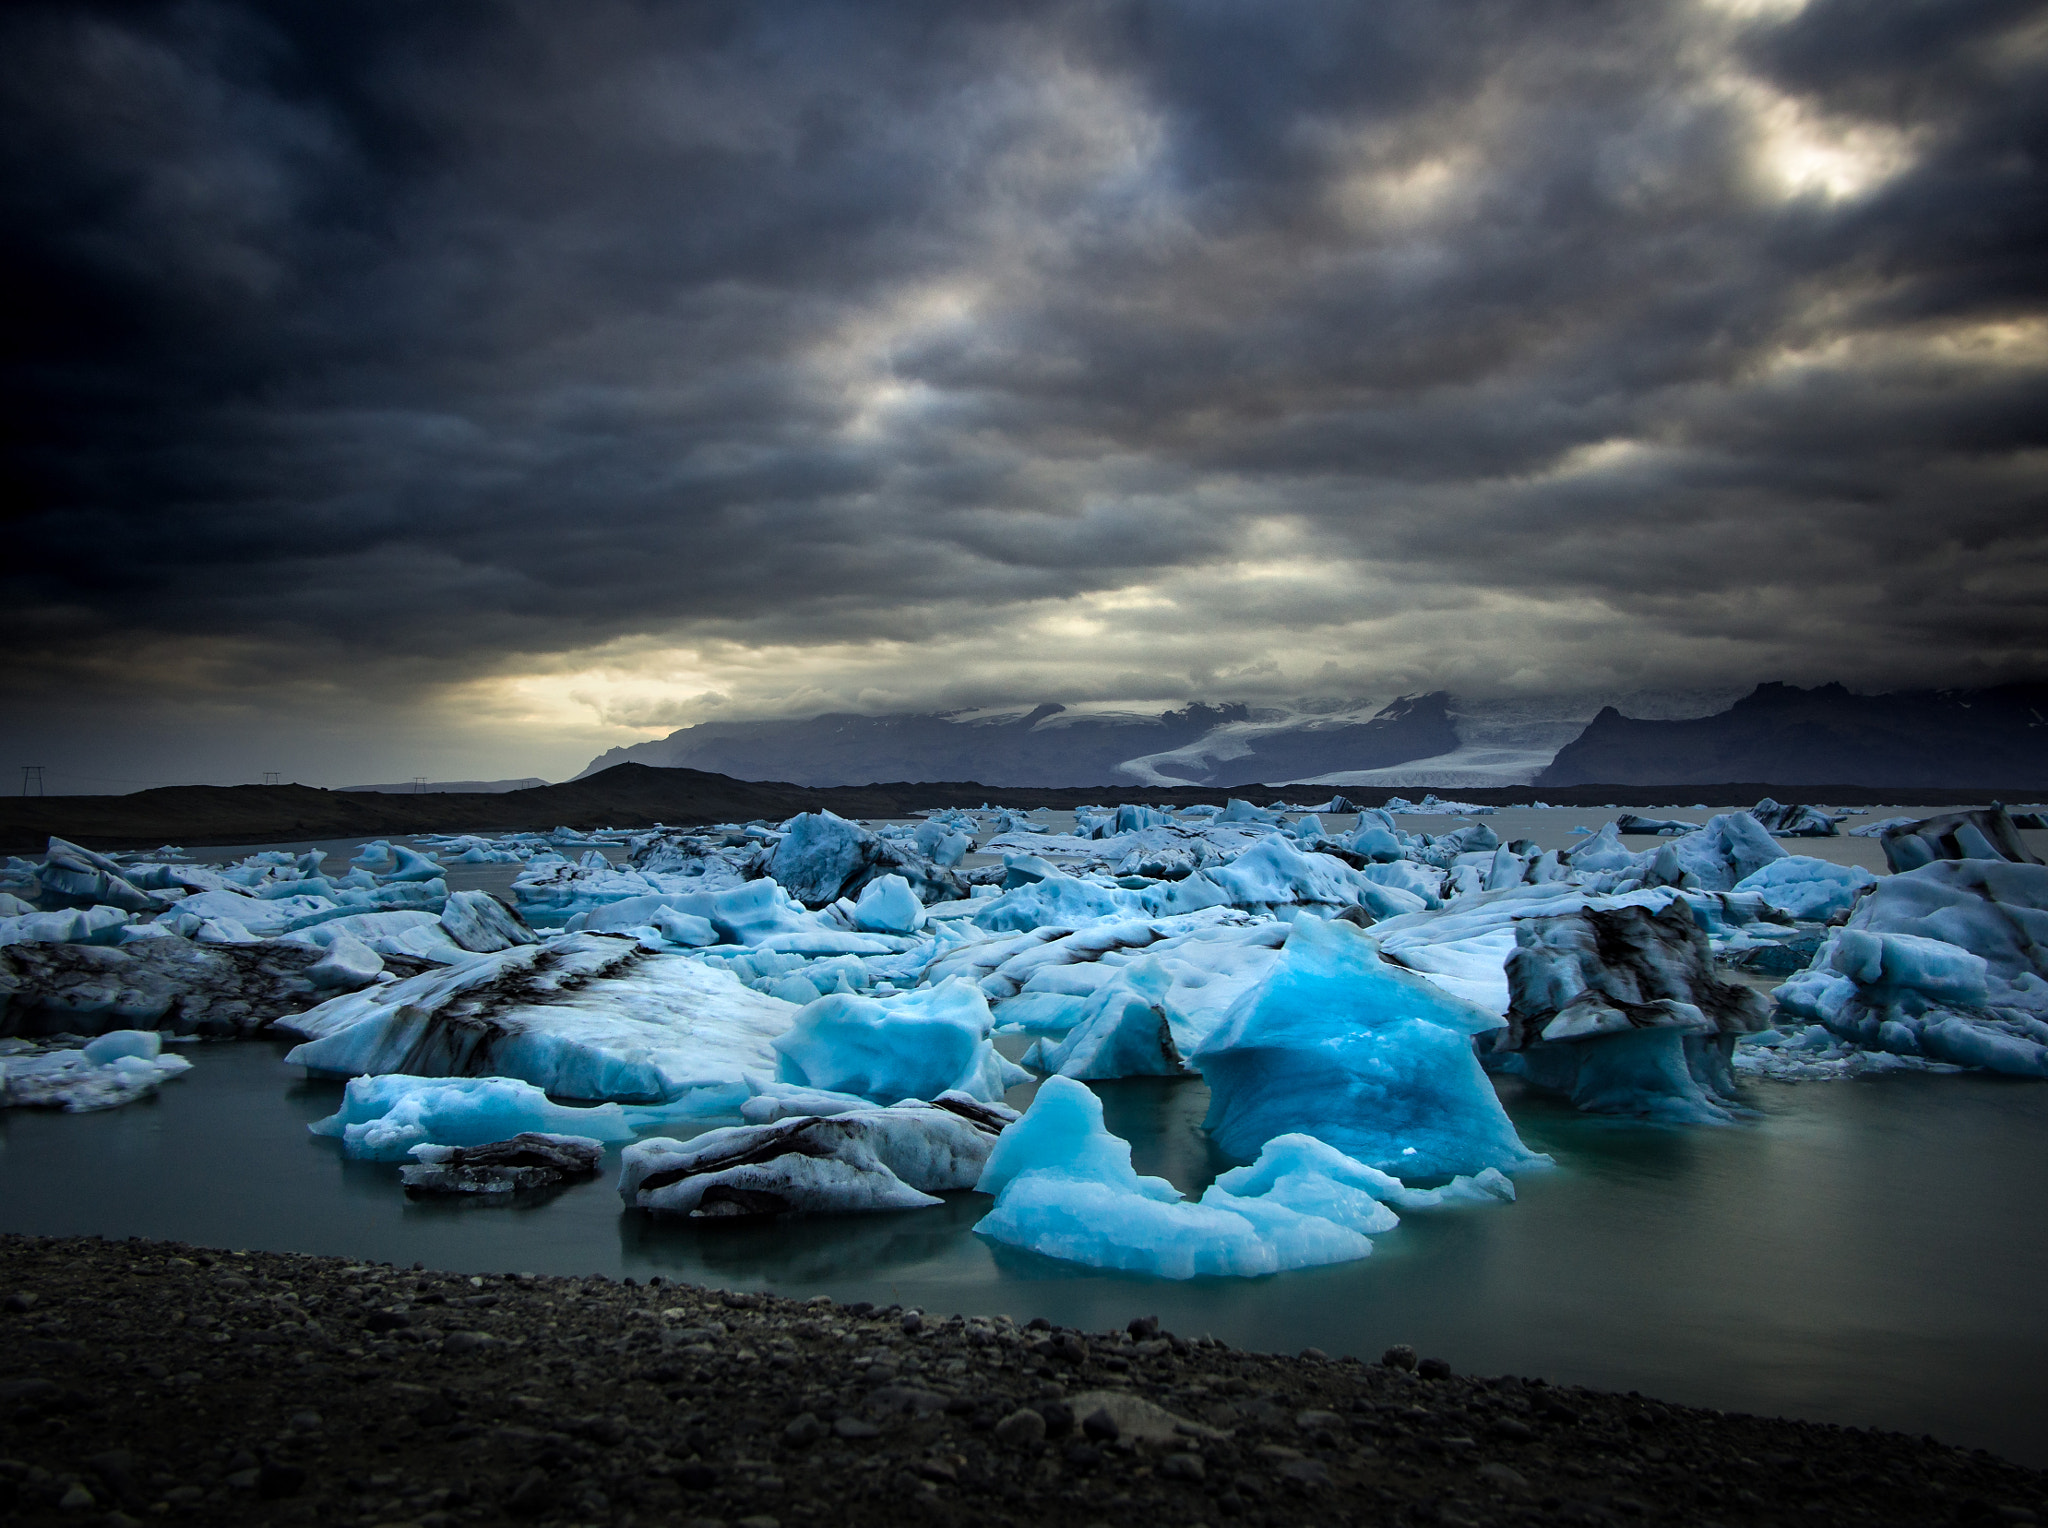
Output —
(1872, 1252)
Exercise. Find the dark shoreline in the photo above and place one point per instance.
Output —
(636, 796)
(148, 1380)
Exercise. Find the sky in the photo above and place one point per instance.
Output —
(459, 389)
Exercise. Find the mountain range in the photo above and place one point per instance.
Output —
(1778, 734)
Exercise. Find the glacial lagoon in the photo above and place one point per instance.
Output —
(1869, 1252)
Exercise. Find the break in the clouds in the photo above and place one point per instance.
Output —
(448, 388)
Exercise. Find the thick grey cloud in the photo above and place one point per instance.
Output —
(363, 359)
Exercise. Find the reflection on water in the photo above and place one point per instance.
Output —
(1868, 1252)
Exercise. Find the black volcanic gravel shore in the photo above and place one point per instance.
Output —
(144, 1381)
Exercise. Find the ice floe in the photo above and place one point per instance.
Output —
(116, 1068)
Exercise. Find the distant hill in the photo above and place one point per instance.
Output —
(1913, 738)
(1053, 747)
(450, 787)
(635, 796)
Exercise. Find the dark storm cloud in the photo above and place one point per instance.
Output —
(377, 343)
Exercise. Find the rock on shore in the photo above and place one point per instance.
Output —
(150, 1381)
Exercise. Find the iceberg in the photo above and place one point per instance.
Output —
(887, 905)
(1783, 820)
(1376, 1061)
(916, 1044)
(117, 1068)
(532, 1159)
(587, 1016)
(1065, 1188)
(1987, 834)
(1123, 1030)
(1620, 1010)
(822, 857)
(481, 924)
(1811, 890)
(74, 877)
(897, 1158)
(381, 1119)
(166, 982)
(1948, 961)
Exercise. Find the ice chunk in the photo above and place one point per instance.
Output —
(145, 1044)
(911, 1045)
(115, 1069)
(167, 982)
(264, 917)
(1783, 820)
(1987, 834)
(740, 915)
(480, 923)
(686, 929)
(395, 862)
(1123, 1030)
(1065, 1188)
(1667, 827)
(531, 1159)
(91, 925)
(771, 1101)
(583, 1016)
(1037, 1012)
(1810, 889)
(1056, 899)
(1275, 872)
(823, 857)
(1949, 961)
(381, 1119)
(1311, 1177)
(75, 877)
(347, 965)
(1621, 1010)
(888, 906)
(870, 1159)
(1339, 1044)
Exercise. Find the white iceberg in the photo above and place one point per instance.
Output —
(583, 1016)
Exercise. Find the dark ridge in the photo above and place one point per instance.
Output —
(637, 796)
(1914, 739)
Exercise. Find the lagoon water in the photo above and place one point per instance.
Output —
(1870, 1252)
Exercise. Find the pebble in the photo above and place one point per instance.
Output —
(77, 1499)
(854, 1427)
(1100, 1426)
(1503, 1477)
(1399, 1356)
(805, 1429)
(1022, 1428)
(1182, 1467)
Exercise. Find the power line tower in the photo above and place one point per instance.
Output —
(32, 774)
(419, 784)
(270, 777)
